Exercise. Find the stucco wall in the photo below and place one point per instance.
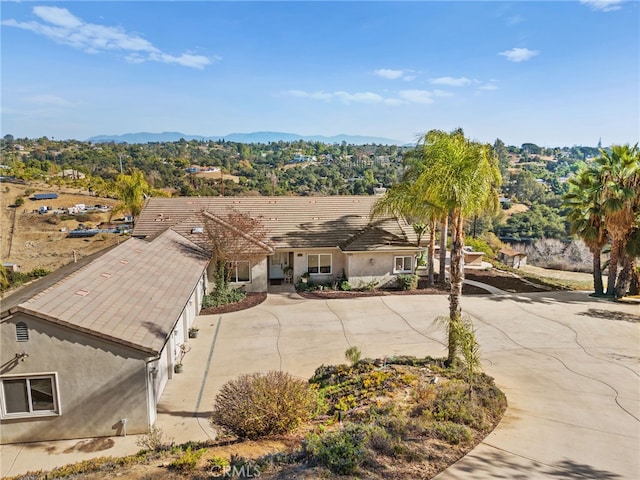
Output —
(258, 281)
(99, 382)
(366, 267)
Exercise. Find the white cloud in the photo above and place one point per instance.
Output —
(603, 5)
(47, 100)
(488, 87)
(519, 54)
(63, 27)
(451, 81)
(390, 74)
(417, 96)
(402, 97)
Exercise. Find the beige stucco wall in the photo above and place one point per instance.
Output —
(366, 267)
(99, 382)
(258, 281)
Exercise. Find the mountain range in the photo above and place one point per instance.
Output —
(255, 137)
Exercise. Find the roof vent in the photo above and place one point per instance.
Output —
(124, 262)
(106, 275)
(82, 292)
(197, 230)
(22, 332)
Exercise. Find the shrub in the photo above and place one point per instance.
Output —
(341, 451)
(257, 405)
(353, 355)
(155, 440)
(53, 220)
(188, 460)
(479, 246)
(223, 297)
(345, 286)
(39, 272)
(451, 432)
(19, 201)
(408, 282)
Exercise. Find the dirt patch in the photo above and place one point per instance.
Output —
(31, 240)
(504, 281)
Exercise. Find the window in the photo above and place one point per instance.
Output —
(239, 272)
(36, 395)
(403, 264)
(319, 264)
(22, 333)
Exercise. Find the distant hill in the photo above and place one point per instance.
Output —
(255, 137)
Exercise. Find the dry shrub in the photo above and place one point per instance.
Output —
(257, 405)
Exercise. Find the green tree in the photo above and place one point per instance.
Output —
(619, 177)
(406, 200)
(587, 218)
(462, 177)
(132, 190)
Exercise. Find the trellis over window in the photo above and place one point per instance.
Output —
(403, 264)
(319, 264)
(29, 396)
(239, 271)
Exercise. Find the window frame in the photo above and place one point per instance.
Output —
(31, 413)
(403, 257)
(233, 267)
(318, 257)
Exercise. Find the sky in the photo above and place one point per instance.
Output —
(551, 73)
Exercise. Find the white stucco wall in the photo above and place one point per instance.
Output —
(99, 382)
(258, 283)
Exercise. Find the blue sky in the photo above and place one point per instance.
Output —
(551, 73)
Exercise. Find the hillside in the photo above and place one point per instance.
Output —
(32, 240)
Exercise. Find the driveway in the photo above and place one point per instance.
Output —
(569, 365)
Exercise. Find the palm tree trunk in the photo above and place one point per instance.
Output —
(624, 279)
(613, 268)
(598, 288)
(443, 250)
(456, 274)
(432, 249)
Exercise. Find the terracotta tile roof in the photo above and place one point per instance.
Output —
(291, 222)
(132, 295)
(510, 252)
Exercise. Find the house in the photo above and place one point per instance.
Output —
(511, 257)
(328, 238)
(88, 350)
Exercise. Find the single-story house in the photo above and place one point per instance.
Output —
(87, 352)
(324, 238)
(511, 257)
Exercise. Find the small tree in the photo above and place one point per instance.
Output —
(233, 239)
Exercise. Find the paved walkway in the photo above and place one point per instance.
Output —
(568, 363)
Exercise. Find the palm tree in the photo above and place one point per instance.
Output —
(587, 217)
(462, 177)
(403, 199)
(619, 177)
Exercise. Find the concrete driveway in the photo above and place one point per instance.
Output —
(569, 365)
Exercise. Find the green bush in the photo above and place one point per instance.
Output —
(353, 355)
(451, 432)
(479, 246)
(341, 451)
(19, 201)
(39, 272)
(345, 286)
(258, 405)
(223, 297)
(408, 282)
(188, 460)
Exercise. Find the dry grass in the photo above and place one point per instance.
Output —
(31, 241)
